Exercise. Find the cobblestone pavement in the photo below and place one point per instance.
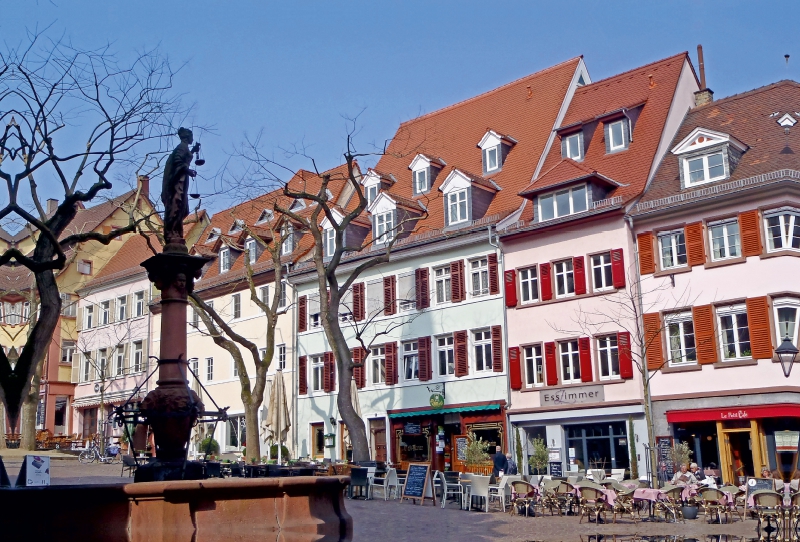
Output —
(70, 472)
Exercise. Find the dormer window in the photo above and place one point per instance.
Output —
(421, 180)
(371, 193)
(329, 239)
(707, 156)
(617, 137)
(214, 235)
(265, 216)
(563, 203)
(297, 205)
(704, 169)
(287, 244)
(251, 248)
(237, 226)
(457, 207)
(572, 146)
(424, 170)
(384, 227)
(224, 260)
(490, 161)
(494, 148)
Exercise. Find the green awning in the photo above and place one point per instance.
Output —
(443, 411)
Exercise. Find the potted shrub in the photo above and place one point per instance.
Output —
(538, 460)
(210, 447)
(475, 452)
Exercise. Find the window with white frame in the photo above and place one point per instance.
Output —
(87, 367)
(445, 355)
(26, 311)
(673, 249)
(287, 240)
(236, 305)
(281, 350)
(195, 367)
(105, 313)
(119, 361)
(787, 310)
(479, 273)
(703, 169)
(371, 193)
(734, 332)
(410, 360)
(282, 300)
(616, 136)
(725, 241)
(421, 181)
(251, 248)
(608, 357)
(570, 362)
(563, 203)
(224, 260)
(122, 308)
(441, 277)
(378, 364)
(680, 336)
(85, 267)
(69, 307)
(138, 357)
(572, 147)
(407, 291)
(491, 158)
(195, 317)
(529, 284)
(237, 226)
(384, 227)
(329, 241)
(601, 272)
(102, 362)
(783, 230)
(237, 432)
(316, 373)
(67, 351)
(457, 207)
(138, 299)
(213, 234)
(209, 369)
(534, 365)
(88, 317)
(482, 345)
(565, 278)
(263, 295)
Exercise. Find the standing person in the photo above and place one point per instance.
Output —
(512, 465)
(500, 462)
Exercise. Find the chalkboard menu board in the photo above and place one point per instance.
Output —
(758, 484)
(555, 468)
(418, 484)
(461, 448)
(412, 429)
(666, 468)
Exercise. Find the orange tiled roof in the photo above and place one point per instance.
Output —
(126, 262)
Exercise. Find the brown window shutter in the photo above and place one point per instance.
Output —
(461, 353)
(424, 356)
(647, 257)
(750, 232)
(705, 335)
(579, 275)
(617, 268)
(457, 286)
(359, 373)
(391, 363)
(514, 368)
(760, 329)
(497, 349)
(326, 373)
(423, 291)
(358, 301)
(695, 245)
(494, 279)
(389, 295)
(654, 348)
(302, 375)
(302, 314)
(510, 281)
(550, 366)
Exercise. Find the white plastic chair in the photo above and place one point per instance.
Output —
(618, 474)
(451, 488)
(500, 492)
(480, 488)
(388, 484)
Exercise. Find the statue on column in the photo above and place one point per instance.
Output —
(175, 191)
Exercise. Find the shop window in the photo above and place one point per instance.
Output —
(783, 230)
(445, 355)
(378, 364)
(316, 373)
(482, 343)
(534, 366)
(570, 362)
(237, 432)
(479, 273)
(725, 241)
(599, 445)
(411, 360)
(673, 249)
(608, 355)
(529, 285)
(734, 332)
(442, 282)
(60, 414)
(787, 311)
(565, 278)
(601, 272)
(680, 335)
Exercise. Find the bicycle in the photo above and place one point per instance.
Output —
(92, 454)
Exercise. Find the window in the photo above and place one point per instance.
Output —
(565, 278)
(138, 357)
(563, 203)
(572, 147)
(281, 349)
(490, 158)
(457, 207)
(194, 364)
(251, 249)
(482, 342)
(371, 194)
(734, 332)
(616, 136)
(102, 362)
(89, 311)
(783, 230)
(316, 373)
(263, 295)
(237, 226)
(68, 306)
(314, 309)
(122, 308)
(786, 313)
(534, 365)
(444, 352)
(195, 317)
(287, 243)
(411, 360)
(384, 227)
(87, 367)
(235, 370)
(329, 239)
(318, 440)
(704, 169)
(85, 267)
(529, 284)
(265, 216)
(119, 361)
(724, 240)
(105, 313)
(209, 369)
(374, 298)
(673, 249)
(479, 271)
(407, 292)
(378, 364)
(236, 302)
(224, 260)
(601, 272)
(297, 205)
(26, 311)
(138, 299)
(421, 181)
(680, 331)
(609, 357)
(237, 432)
(442, 279)
(570, 362)
(67, 351)
(282, 300)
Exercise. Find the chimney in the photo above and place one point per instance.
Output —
(704, 95)
(52, 205)
(143, 181)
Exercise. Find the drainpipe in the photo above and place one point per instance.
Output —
(295, 368)
(501, 278)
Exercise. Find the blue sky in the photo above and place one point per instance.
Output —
(294, 69)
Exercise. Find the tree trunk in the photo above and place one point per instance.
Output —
(29, 408)
(252, 443)
(355, 424)
(651, 439)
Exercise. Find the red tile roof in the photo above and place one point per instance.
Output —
(126, 262)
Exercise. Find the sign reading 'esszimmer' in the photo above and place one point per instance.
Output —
(572, 396)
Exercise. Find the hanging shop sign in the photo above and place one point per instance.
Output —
(437, 395)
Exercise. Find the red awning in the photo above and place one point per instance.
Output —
(734, 413)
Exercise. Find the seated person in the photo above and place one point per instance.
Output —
(697, 472)
(777, 483)
(684, 477)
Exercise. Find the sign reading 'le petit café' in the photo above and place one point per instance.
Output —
(572, 396)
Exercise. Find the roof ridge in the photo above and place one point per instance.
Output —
(492, 91)
(684, 54)
(748, 93)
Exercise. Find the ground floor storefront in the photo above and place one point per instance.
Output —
(53, 412)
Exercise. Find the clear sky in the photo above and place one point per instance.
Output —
(294, 69)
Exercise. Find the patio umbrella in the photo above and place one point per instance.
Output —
(277, 422)
(199, 430)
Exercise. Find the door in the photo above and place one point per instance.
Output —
(89, 422)
(377, 430)
(458, 451)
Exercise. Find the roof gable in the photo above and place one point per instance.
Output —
(701, 138)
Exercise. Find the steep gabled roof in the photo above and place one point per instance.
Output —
(127, 261)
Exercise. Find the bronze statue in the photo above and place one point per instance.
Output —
(175, 191)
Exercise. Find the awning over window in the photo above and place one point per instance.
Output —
(734, 413)
(415, 413)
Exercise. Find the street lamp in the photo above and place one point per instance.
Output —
(786, 352)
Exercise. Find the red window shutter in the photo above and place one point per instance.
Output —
(457, 286)
(497, 349)
(551, 369)
(359, 373)
(391, 363)
(760, 329)
(695, 245)
(424, 356)
(750, 232)
(514, 368)
(302, 375)
(579, 275)
(510, 281)
(585, 357)
(332, 370)
(647, 257)
(423, 292)
(461, 353)
(653, 347)
(302, 314)
(705, 335)
(358, 302)
(326, 373)
(545, 282)
(494, 279)
(617, 268)
(624, 351)
(389, 295)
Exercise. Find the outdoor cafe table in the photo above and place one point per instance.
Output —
(610, 495)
